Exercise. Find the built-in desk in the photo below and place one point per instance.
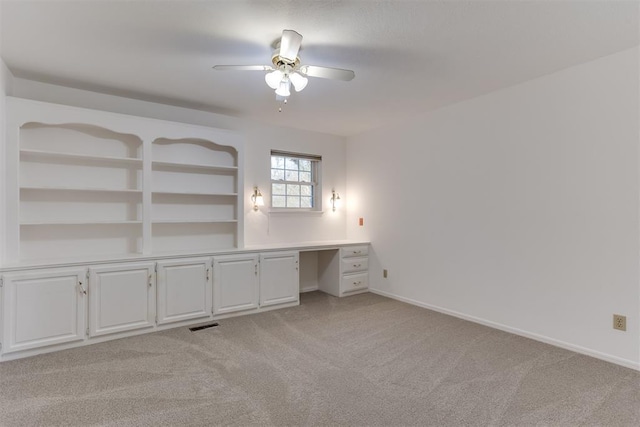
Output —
(51, 305)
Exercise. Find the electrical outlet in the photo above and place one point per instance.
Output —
(619, 322)
(384, 273)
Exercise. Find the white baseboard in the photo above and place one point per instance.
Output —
(547, 340)
(309, 289)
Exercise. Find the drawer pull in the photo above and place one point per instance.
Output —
(357, 252)
(357, 283)
(357, 265)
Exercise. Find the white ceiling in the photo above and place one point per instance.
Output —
(408, 56)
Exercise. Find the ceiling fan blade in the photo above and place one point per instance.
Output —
(290, 44)
(243, 67)
(327, 72)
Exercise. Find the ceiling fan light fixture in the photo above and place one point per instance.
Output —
(283, 89)
(287, 69)
(299, 81)
(273, 79)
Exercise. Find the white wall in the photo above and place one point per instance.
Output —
(518, 208)
(260, 228)
(6, 81)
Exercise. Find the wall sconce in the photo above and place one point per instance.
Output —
(257, 199)
(335, 200)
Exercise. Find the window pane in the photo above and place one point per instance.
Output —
(277, 162)
(293, 190)
(305, 202)
(278, 201)
(277, 175)
(291, 163)
(305, 176)
(305, 165)
(293, 201)
(292, 182)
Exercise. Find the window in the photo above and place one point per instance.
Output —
(294, 181)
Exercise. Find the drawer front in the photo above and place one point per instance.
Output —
(354, 251)
(350, 265)
(354, 282)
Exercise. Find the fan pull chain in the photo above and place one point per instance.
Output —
(280, 108)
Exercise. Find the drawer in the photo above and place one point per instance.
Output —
(354, 251)
(350, 265)
(354, 282)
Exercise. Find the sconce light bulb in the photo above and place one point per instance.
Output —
(257, 198)
(335, 200)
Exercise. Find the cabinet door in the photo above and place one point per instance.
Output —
(235, 283)
(184, 289)
(121, 298)
(279, 279)
(43, 308)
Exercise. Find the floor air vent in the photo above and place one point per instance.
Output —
(198, 328)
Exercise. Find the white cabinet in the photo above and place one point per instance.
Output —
(235, 283)
(43, 308)
(121, 298)
(184, 289)
(354, 266)
(46, 308)
(279, 278)
(252, 281)
(344, 271)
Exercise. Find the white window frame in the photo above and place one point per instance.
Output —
(316, 187)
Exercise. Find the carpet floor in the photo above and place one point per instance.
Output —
(364, 360)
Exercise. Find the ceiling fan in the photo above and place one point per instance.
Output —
(287, 70)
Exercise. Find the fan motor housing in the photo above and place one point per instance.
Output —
(279, 61)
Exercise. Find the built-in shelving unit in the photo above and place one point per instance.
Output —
(80, 190)
(196, 196)
(87, 183)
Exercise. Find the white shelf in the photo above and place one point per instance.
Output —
(186, 193)
(32, 223)
(53, 155)
(82, 185)
(212, 168)
(194, 221)
(105, 190)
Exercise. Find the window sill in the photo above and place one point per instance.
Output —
(290, 212)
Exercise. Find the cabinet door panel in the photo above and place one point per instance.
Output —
(184, 290)
(279, 279)
(43, 309)
(121, 298)
(235, 283)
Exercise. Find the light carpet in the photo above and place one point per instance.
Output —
(364, 360)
